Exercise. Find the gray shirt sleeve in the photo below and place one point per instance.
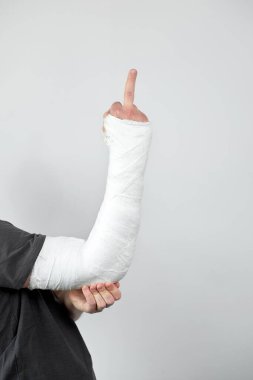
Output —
(19, 250)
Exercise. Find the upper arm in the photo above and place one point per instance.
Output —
(18, 252)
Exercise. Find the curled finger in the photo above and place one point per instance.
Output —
(107, 296)
(101, 304)
(90, 299)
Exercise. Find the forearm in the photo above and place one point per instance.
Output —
(108, 251)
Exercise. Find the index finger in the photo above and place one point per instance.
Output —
(129, 88)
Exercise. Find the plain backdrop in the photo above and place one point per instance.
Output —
(186, 309)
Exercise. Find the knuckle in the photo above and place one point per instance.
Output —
(116, 105)
(116, 109)
(129, 114)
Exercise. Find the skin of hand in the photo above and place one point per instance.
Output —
(127, 110)
(91, 299)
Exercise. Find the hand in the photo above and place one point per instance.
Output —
(90, 299)
(128, 110)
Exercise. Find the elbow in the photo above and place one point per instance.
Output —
(108, 264)
(100, 273)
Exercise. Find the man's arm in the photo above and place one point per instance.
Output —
(19, 250)
(66, 263)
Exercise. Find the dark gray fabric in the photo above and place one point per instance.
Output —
(18, 252)
(38, 339)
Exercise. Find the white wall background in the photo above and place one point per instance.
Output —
(186, 310)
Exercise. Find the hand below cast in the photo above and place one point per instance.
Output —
(91, 299)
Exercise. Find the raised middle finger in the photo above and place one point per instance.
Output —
(129, 88)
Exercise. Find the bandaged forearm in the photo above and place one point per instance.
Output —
(68, 262)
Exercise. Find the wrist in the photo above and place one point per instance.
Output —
(61, 296)
(58, 295)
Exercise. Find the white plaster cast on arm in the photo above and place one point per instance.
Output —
(67, 262)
